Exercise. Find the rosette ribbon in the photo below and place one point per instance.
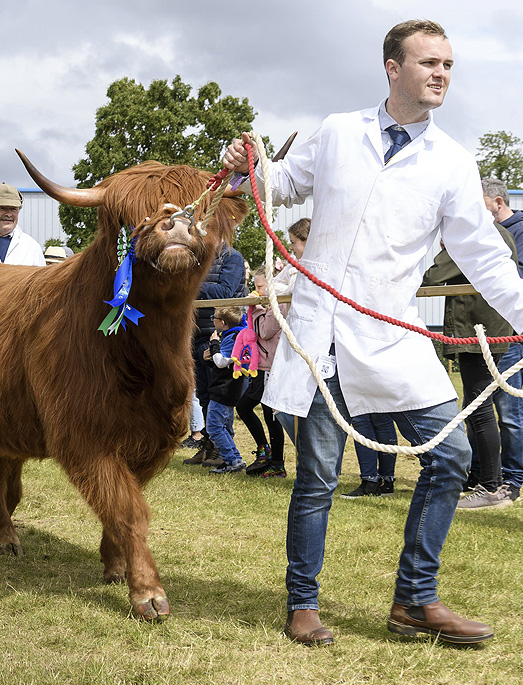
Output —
(120, 309)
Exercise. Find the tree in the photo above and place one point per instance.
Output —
(164, 123)
(500, 156)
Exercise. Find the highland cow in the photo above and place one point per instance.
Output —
(110, 409)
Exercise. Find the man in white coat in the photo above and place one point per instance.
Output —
(16, 247)
(379, 199)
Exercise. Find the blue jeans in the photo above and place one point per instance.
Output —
(510, 419)
(320, 445)
(219, 427)
(375, 466)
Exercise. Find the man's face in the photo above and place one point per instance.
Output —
(421, 82)
(8, 219)
(493, 204)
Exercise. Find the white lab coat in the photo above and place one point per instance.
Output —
(371, 227)
(24, 250)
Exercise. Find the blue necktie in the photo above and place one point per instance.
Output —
(4, 245)
(400, 138)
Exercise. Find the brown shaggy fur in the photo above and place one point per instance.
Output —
(110, 410)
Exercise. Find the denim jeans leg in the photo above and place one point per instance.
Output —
(320, 445)
(386, 434)
(510, 419)
(433, 502)
(220, 428)
(287, 422)
(367, 457)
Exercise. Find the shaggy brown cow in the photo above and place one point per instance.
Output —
(110, 410)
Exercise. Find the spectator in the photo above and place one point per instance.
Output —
(462, 312)
(226, 279)
(224, 389)
(195, 437)
(384, 181)
(376, 468)
(16, 247)
(55, 254)
(508, 407)
(298, 233)
(247, 288)
(269, 461)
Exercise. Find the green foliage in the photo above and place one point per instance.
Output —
(500, 156)
(164, 122)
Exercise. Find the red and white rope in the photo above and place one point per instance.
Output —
(500, 379)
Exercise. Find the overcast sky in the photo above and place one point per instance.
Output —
(296, 61)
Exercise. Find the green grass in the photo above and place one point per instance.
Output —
(219, 543)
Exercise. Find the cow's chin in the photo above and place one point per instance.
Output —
(176, 258)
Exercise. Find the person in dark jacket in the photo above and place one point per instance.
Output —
(226, 279)
(508, 407)
(224, 389)
(462, 312)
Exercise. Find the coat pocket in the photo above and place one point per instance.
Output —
(390, 299)
(307, 295)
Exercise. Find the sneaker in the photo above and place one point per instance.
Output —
(513, 491)
(387, 487)
(201, 454)
(273, 471)
(367, 487)
(235, 467)
(191, 444)
(261, 463)
(213, 458)
(480, 498)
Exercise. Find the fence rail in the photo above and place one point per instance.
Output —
(427, 291)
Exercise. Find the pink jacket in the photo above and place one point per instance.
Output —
(268, 331)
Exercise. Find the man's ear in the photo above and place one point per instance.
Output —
(392, 68)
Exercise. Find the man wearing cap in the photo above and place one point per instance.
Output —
(16, 247)
(55, 254)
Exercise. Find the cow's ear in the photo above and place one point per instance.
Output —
(229, 214)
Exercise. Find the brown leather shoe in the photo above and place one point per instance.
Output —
(200, 456)
(303, 626)
(436, 619)
(212, 459)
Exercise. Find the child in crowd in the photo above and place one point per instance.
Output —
(224, 389)
(298, 234)
(269, 461)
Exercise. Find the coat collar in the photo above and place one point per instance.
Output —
(373, 132)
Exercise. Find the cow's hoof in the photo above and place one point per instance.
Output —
(156, 609)
(12, 548)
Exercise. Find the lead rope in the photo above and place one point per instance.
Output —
(500, 379)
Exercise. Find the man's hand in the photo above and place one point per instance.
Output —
(235, 157)
(207, 355)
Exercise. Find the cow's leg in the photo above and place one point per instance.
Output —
(115, 495)
(113, 560)
(10, 495)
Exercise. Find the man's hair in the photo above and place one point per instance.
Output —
(300, 229)
(232, 316)
(493, 187)
(393, 45)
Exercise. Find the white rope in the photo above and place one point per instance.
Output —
(500, 379)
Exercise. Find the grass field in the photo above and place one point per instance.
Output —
(219, 543)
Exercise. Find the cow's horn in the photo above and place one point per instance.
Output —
(279, 155)
(77, 197)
